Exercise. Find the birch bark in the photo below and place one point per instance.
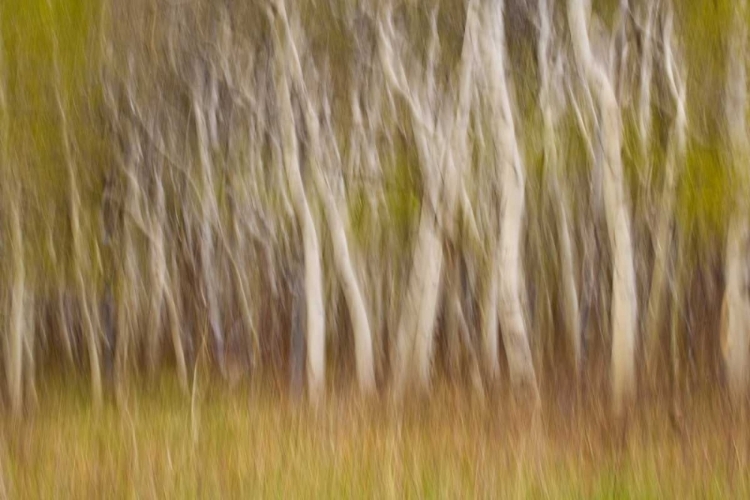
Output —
(506, 264)
(315, 312)
(623, 308)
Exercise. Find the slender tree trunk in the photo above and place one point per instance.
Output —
(84, 294)
(79, 255)
(553, 168)
(442, 150)
(419, 312)
(736, 313)
(29, 364)
(737, 309)
(209, 222)
(315, 312)
(341, 257)
(351, 289)
(624, 307)
(452, 158)
(417, 315)
(160, 283)
(13, 340)
(507, 263)
(662, 243)
(15, 347)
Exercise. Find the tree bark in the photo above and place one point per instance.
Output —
(341, 258)
(442, 152)
(15, 347)
(624, 307)
(209, 221)
(737, 308)
(315, 312)
(571, 312)
(506, 268)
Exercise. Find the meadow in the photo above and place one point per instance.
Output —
(251, 442)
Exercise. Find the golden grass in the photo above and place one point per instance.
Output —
(251, 443)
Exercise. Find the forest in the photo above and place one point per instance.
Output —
(270, 212)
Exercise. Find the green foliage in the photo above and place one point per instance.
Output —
(704, 193)
(28, 28)
(403, 194)
(34, 33)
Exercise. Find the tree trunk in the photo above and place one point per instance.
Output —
(14, 339)
(624, 307)
(507, 264)
(14, 349)
(350, 286)
(737, 311)
(441, 145)
(315, 312)
(90, 325)
(662, 239)
(163, 298)
(341, 258)
(208, 224)
(571, 312)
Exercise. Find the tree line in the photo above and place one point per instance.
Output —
(497, 191)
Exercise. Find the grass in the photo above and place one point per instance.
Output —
(251, 443)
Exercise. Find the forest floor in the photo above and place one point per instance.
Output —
(248, 443)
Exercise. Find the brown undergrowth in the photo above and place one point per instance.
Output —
(252, 440)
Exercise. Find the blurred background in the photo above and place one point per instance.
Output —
(508, 204)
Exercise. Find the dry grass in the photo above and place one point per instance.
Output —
(251, 443)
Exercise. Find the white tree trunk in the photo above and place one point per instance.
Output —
(162, 293)
(419, 311)
(17, 327)
(507, 264)
(673, 165)
(624, 307)
(345, 271)
(315, 328)
(417, 316)
(29, 363)
(14, 339)
(737, 321)
(367, 259)
(341, 257)
(736, 311)
(208, 218)
(442, 151)
(350, 286)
